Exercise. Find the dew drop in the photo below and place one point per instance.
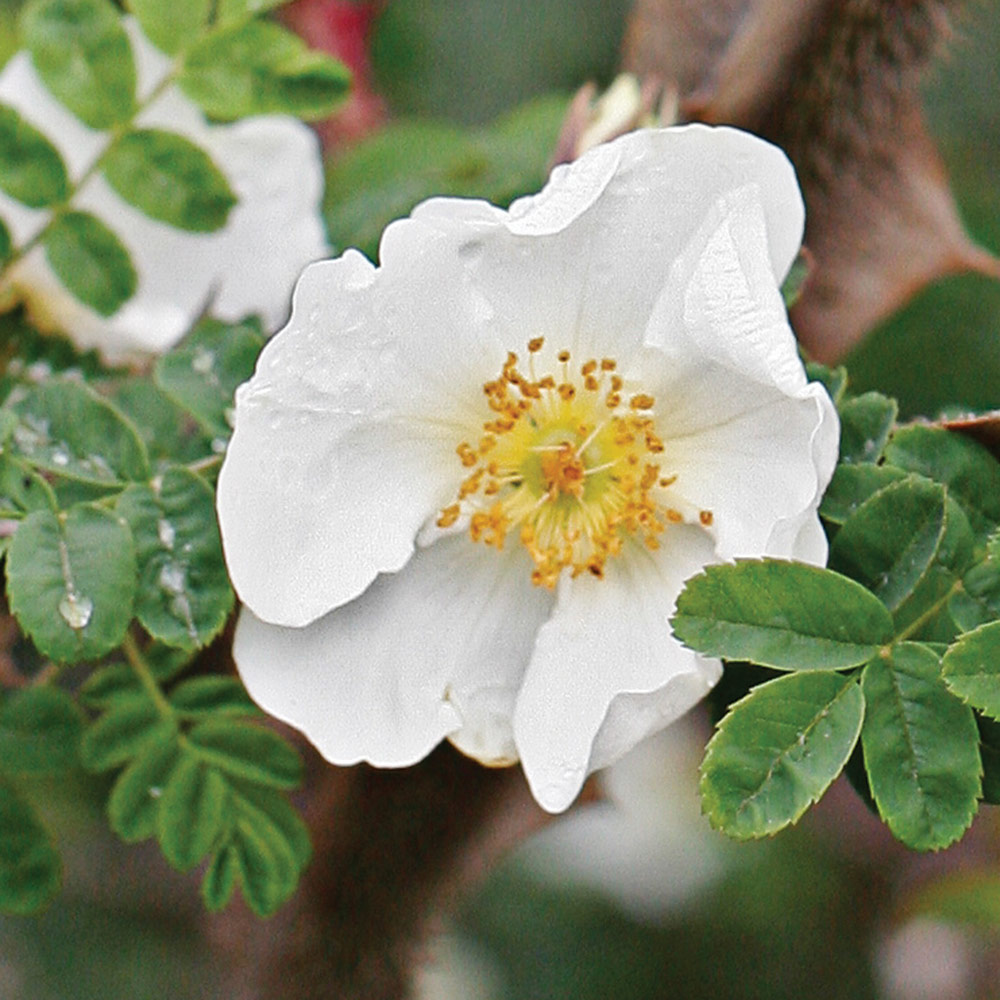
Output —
(76, 610)
(155, 791)
(202, 361)
(172, 578)
(166, 533)
(60, 458)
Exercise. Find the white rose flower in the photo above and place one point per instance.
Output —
(466, 487)
(273, 166)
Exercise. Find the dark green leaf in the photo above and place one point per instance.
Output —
(134, 802)
(212, 696)
(191, 812)
(275, 806)
(259, 68)
(40, 731)
(69, 430)
(170, 179)
(969, 471)
(781, 614)
(202, 374)
(171, 26)
(90, 261)
(865, 423)
(978, 600)
(83, 55)
(126, 730)
(246, 751)
(834, 379)
(989, 751)
(184, 595)
(852, 485)
(267, 864)
(110, 684)
(164, 428)
(971, 668)
(31, 169)
(778, 750)
(921, 749)
(71, 581)
(220, 879)
(30, 870)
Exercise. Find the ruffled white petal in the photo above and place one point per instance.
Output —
(606, 670)
(388, 675)
(273, 166)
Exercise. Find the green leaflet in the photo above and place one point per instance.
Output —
(40, 730)
(778, 750)
(230, 11)
(170, 26)
(248, 752)
(130, 728)
(852, 485)
(83, 55)
(834, 379)
(191, 813)
(256, 68)
(90, 261)
(31, 169)
(212, 696)
(170, 179)
(71, 581)
(865, 423)
(781, 614)
(30, 870)
(921, 749)
(184, 595)
(971, 668)
(134, 802)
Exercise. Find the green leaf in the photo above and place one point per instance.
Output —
(109, 684)
(71, 581)
(246, 751)
(778, 750)
(6, 246)
(21, 488)
(781, 614)
(202, 374)
(126, 730)
(170, 179)
(220, 879)
(275, 806)
(184, 595)
(989, 751)
(40, 730)
(969, 471)
(212, 696)
(852, 485)
(134, 802)
(266, 862)
(164, 428)
(83, 55)
(30, 870)
(978, 600)
(191, 812)
(231, 11)
(921, 749)
(833, 379)
(971, 668)
(865, 423)
(31, 169)
(90, 261)
(259, 68)
(70, 431)
(170, 26)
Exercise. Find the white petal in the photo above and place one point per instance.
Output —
(388, 675)
(606, 670)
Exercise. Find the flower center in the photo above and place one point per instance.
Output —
(568, 463)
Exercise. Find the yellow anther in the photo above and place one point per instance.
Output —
(563, 356)
(706, 517)
(448, 516)
(536, 344)
(641, 401)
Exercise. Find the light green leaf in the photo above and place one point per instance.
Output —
(257, 68)
(171, 26)
(865, 423)
(90, 261)
(31, 169)
(921, 749)
(778, 750)
(212, 696)
(246, 751)
(852, 485)
(170, 179)
(126, 730)
(164, 428)
(971, 668)
(232, 11)
(202, 374)
(969, 471)
(134, 802)
(83, 55)
(21, 488)
(71, 581)
(40, 730)
(184, 595)
(781, 614)
(30, 870)
(191, 812)
(220, 879)
(833, 379)
(70, 431)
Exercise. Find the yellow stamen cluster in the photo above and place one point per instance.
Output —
(569, 463)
